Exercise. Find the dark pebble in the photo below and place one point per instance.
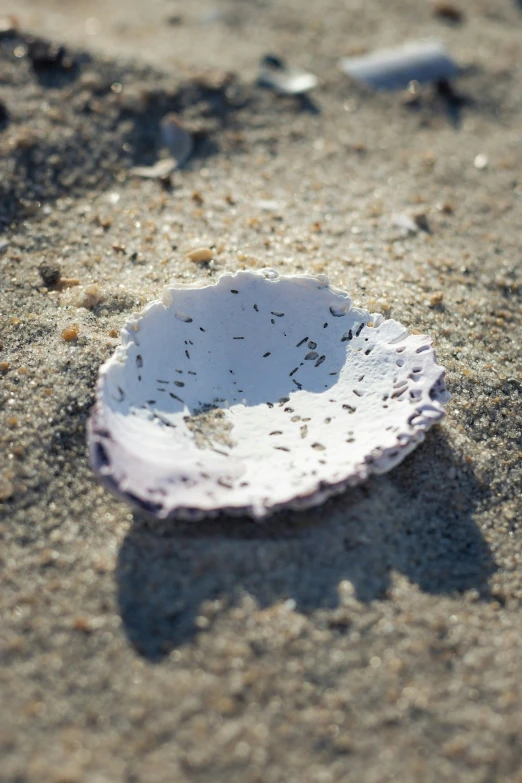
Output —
(45, 55)
(448, 12)
(50, 273)
(272, 61)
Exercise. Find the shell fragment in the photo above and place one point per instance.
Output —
(256, 393)
(275, 75)
(394, 69)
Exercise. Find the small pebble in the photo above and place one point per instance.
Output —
(68, 282)
(50, 273)
(201, 255)
(82, 624)
(113, 333)
(8, 26)
(70, 333)
(421, 220)
(436, 299)
(448, 12)
(6, 488)
(4, 366)
(481, 162)
(91, 296)
(46, 55)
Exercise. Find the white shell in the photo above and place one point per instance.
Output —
(256, 393)
(394, 69)
(163, 168)
(288, 81)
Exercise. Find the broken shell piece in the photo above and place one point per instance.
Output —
(179, 141)
(411, 223)
(284, 80)
(256, 393)
(405, 222)
(394, 69)
(160, 170)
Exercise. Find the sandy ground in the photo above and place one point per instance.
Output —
(378, 637)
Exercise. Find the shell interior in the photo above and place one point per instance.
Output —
(255, 393)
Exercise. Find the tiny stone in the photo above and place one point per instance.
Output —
(50, 273)
(6, 488)
(481, 162)
(421, 220)
(448, 12)
(46, 55)
(90, 297)
(113, 333)
(82, 624)
(436, 299)
(70, 333)
(8, 26)
(201, 255)
(4, 366)
(68, 282)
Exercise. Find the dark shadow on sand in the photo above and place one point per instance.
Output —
(417, 520)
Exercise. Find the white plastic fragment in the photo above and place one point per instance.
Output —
(395, 68)
(257, 393)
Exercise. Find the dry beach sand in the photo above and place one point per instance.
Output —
(379, 637)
